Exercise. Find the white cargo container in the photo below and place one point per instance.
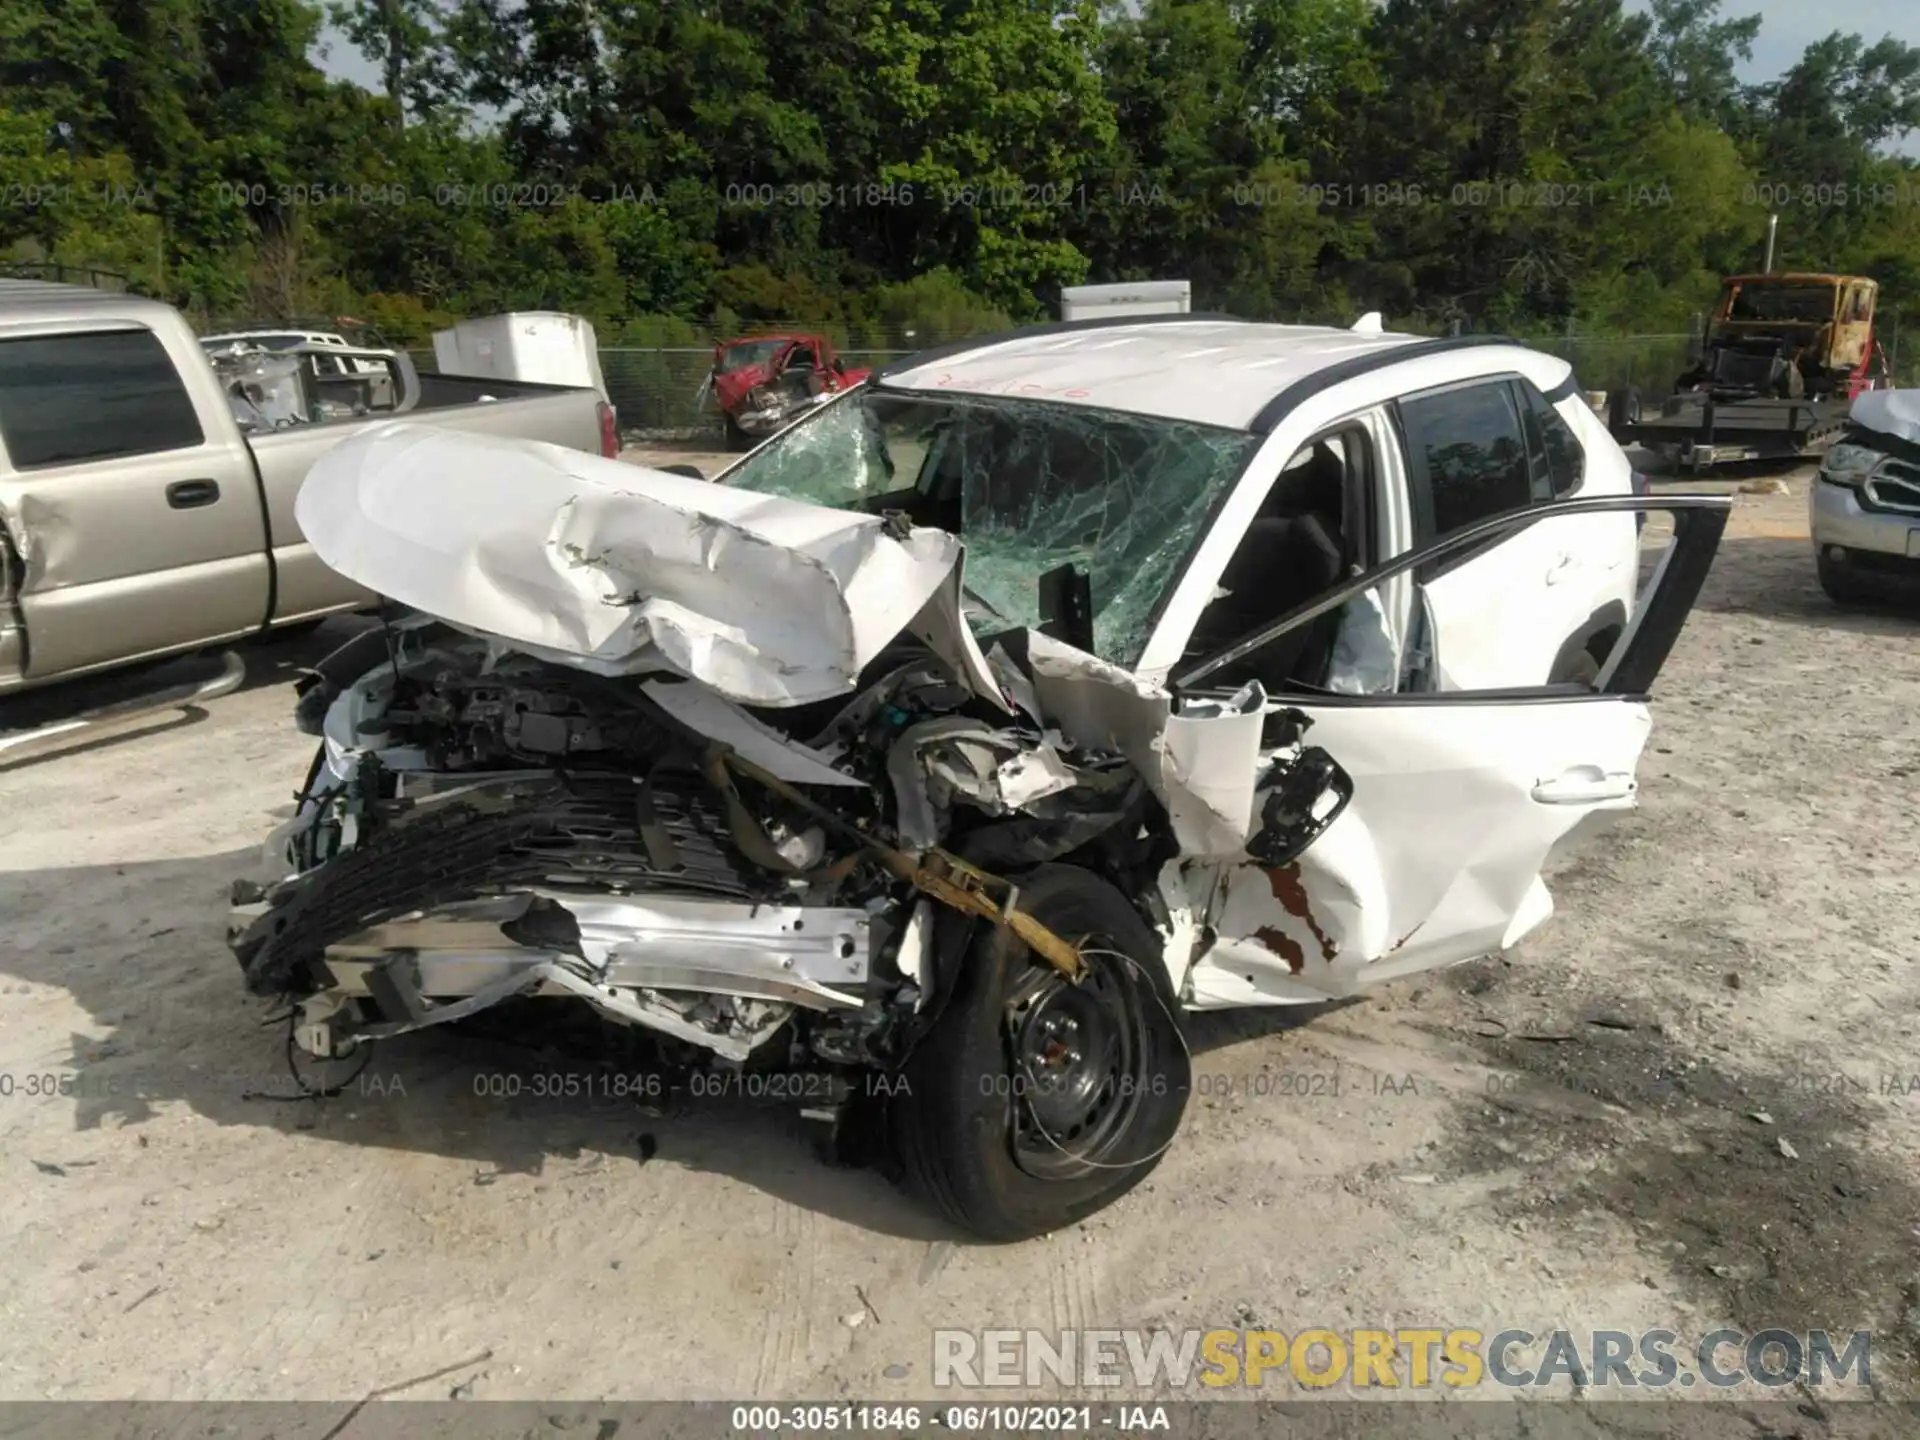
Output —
(1142, 297)
(547, 347)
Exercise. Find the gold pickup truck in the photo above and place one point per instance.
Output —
(139, 519)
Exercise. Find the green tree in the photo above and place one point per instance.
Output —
(407, 39)
(1697, 55)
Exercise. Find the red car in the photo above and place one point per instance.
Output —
(762, 384)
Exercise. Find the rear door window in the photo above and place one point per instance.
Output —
(91, 396)
(1467, 450)
(1559, 464)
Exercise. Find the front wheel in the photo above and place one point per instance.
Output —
(1035, 1101)
(1839, 585)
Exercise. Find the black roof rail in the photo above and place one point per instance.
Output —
(1378, 358)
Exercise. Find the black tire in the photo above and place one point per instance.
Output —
(1837, 583)
(1579, 668)
(737, 439)
(1009, 1166)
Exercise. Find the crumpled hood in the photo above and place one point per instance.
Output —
(617, 568)
(1891, 412)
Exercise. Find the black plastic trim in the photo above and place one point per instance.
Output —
(1325, 378)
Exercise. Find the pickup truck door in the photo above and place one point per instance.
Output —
(1459, 797)
(128, 494)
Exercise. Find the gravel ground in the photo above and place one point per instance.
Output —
(1561, 1136)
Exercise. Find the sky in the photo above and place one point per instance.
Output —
(1787, 27)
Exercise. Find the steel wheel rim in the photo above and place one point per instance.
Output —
(1077, 1058)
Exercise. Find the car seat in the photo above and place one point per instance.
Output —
(1291, 552)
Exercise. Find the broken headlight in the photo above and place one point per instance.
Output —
(1849, 465)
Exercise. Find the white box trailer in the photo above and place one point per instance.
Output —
(1141, 297)
(547, 347)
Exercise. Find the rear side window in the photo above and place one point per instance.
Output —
(65, 398)
(1559, 464)
(1468, 451)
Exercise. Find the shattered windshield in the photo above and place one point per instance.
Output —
(1803, 304)
(749, 352)
(1029, 486)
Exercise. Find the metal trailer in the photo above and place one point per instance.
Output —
(1700, 432)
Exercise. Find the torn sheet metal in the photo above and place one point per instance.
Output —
(619, 935)
(1014, 683)
(754, 1023)
(1201, 764)
(811, 956)
(42, 537)
(1033, 775)
(711, 715)
(942, 626)
(618, 569)
(950, 759)
(1181, 933)
(950, 753)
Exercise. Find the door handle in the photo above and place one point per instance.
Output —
(1585, 785)
(191, 494)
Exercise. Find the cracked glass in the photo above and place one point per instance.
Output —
(1028, 485)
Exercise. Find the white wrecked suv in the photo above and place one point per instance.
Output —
(975, 728)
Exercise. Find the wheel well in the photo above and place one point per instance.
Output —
(1596, 638)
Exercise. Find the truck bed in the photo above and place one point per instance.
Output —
(511, 409)
(124, 540)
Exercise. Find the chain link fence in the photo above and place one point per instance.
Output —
(1605, 363)
(657, 388)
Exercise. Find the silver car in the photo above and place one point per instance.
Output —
(1866, 503)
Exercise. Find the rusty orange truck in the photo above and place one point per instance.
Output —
(1783, 357)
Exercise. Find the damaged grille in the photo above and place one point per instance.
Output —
(551, 832)
(1896, 487)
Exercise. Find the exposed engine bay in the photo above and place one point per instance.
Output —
(733, 770)
(480, 825)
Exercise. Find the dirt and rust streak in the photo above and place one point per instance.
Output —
(1283, 945)
(1393, 948)
(1291, 892)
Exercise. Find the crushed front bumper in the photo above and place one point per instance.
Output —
(650, 961)
(631, 897)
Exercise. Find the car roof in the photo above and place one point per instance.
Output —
(317, 337)
(1206, 370)
(44, 299)
(1797, 277)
